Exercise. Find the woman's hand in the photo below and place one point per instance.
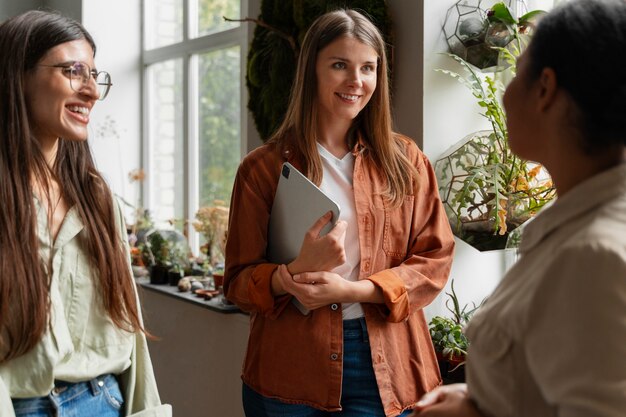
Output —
(447, 401)
(321, 253)
(318, 289)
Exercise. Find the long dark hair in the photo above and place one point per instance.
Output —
(373, 123)
(584, 41)
(24, 282)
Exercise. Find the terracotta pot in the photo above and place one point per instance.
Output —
(218, 279)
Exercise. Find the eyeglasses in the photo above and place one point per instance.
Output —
(80, 73)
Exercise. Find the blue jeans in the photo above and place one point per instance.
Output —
(359, 391)
(99, 397)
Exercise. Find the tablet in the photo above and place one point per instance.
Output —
(298, 204)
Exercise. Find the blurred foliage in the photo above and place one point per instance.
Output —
(219, 127)
(219, 123)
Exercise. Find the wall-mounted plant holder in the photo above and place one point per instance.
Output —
(487, 193)
(474, 34)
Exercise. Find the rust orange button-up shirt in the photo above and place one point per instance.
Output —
(405, 251)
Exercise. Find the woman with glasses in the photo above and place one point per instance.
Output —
(551, 340)
(72, 340)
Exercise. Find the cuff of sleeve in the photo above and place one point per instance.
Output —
(260, 287)
(395, 295)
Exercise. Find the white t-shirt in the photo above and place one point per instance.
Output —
(337, 184)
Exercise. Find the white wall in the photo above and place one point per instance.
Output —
(450, 113)
(407, 89)
(71, 8)
(115, 127)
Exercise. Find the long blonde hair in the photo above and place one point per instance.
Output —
(299, 128)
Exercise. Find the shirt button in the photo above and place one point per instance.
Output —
(334, 356)
(100, 383)
(334, 307)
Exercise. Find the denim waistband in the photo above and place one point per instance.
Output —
(66, 390)
(95, 384)
(72, 396)
(355, 329)
(355, 324)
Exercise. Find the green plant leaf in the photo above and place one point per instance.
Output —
(502, 14)
(529, 16)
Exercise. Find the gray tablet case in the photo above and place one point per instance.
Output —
(297, 205)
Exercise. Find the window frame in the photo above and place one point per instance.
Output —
(188, 50)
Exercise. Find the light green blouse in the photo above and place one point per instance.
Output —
(82, 341)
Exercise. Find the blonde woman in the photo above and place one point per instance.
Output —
(364, 350)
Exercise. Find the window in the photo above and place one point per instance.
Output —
(192, 105)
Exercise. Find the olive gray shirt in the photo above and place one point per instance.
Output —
(82, 342)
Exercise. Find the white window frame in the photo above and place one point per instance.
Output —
(186, 49)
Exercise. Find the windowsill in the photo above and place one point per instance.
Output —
(216, 303)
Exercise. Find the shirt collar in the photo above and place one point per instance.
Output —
(579, 200)
(71, 226)
(359, 145)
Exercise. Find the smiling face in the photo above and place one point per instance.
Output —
(346, 79)
(54, 109)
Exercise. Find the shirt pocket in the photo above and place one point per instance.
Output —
(90, 324)
(398, 228)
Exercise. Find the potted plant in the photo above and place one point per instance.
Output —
(157, 256)
(175, 273)
(487, 190)
(165, 251)
(475, 35)
(449, 340)
(218, 276)
(212, 222)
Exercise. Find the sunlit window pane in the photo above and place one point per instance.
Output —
(163, 23)
(210, 15)
(166, 146)
(219, 123)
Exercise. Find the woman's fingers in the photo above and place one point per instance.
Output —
(310, 278)
(440, 393)
(314, 231)
(321, 253)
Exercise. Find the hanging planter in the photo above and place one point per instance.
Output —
(475, 30)
(487, 192)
